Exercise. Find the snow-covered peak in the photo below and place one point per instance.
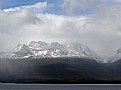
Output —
(39, 49)
(115, 57)
(119, 51)
(76, 46)
(77, 49)
(56, 45)
(18, 47)
(36, 45)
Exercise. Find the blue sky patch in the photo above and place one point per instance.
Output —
(16, 3)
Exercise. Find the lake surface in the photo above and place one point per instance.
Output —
(58, 87)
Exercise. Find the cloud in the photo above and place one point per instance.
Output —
(12, 23)
(72, 7)
(20, 27)
(106, 23)
(101, 31)
(51, 30)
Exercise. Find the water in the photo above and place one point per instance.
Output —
(58, 87)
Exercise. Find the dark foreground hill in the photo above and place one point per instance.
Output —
(59, 70)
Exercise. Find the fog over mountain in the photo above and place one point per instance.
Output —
(95, 23)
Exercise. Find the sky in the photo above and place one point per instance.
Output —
(14, 3)
(94, 23)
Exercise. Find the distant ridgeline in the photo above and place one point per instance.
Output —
(40, 62)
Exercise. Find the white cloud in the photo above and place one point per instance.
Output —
(101, 31)
(20, 27)
(11, 23)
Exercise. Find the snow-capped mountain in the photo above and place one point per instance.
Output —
(41, 49)
(3, 54)
(115, 57)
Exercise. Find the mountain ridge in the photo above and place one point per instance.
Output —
(40, 49)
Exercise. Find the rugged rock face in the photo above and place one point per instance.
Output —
(41, 49)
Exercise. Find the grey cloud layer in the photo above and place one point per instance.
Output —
(101, 32)
(75, 6)
(104, 32)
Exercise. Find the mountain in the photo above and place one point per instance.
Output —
(58, 70)
(39, 49)
(115, 57)
(3, 54)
